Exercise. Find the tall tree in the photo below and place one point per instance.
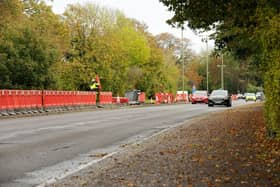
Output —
(241, 27)
(174, 48)
(10, 10)
(120, 50)
(27, 52)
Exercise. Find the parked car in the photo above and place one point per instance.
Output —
(219, 97)
(250, 97)
(133, 97)
(199, 96)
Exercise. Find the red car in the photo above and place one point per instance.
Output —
(199, 96)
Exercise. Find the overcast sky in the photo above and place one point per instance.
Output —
(151, 12)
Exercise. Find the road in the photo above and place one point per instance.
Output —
(39, 149)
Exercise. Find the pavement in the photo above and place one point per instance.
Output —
(227, 148)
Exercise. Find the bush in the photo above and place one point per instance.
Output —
(271, 62)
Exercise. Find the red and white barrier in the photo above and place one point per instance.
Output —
(164, 98)
(20, 99)
(120, 100)
(105, 98)
(182, 98)
(36, 99)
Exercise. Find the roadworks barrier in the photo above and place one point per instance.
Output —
(182, 98)
(105, 98)
(120, 100)
(164, 98)
(13, 102)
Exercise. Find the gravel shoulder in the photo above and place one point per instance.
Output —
(227, 148)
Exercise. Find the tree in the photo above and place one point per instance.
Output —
(118, 49)
(93, 46)
(173, 48)
(27, 47)
(241, 27)
(10, 10)
(193, 74)
(41, 50)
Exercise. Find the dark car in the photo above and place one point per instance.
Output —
(199, 96)
(133, 97)
(219, 97)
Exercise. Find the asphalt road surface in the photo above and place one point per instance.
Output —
(36, 150)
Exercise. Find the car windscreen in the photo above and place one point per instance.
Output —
(219, 92)
(197, 93)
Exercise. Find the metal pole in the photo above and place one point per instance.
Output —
(222, 72)
(207, 63)
(183, 64)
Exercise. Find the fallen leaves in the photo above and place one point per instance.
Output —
(227, 179)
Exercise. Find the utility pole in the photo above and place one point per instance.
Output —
(205, 39)
(207, 68)
(222, 71)
(183, 64)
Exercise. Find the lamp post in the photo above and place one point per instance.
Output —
(207, 68)
(182, 56)
(222, 71)
(205, 39)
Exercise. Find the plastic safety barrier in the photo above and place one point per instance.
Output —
(105, 98)
(20, 99)
(164, 98)
(68, 98)
(182, 98)
(2, 100)
(142, 97)
(120, 100)
(13, 100)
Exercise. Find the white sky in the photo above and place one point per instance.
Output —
(153, 13)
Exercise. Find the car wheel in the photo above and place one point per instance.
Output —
(209, 105)
(193, 103)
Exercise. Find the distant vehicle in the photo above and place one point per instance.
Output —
(133, 97)
(219, 97)
(250, 97)
(240, 96)
(199, 96)
(260, 96)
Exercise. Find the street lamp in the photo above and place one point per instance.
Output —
(222, 71)
(182, 56)
(207, 59)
